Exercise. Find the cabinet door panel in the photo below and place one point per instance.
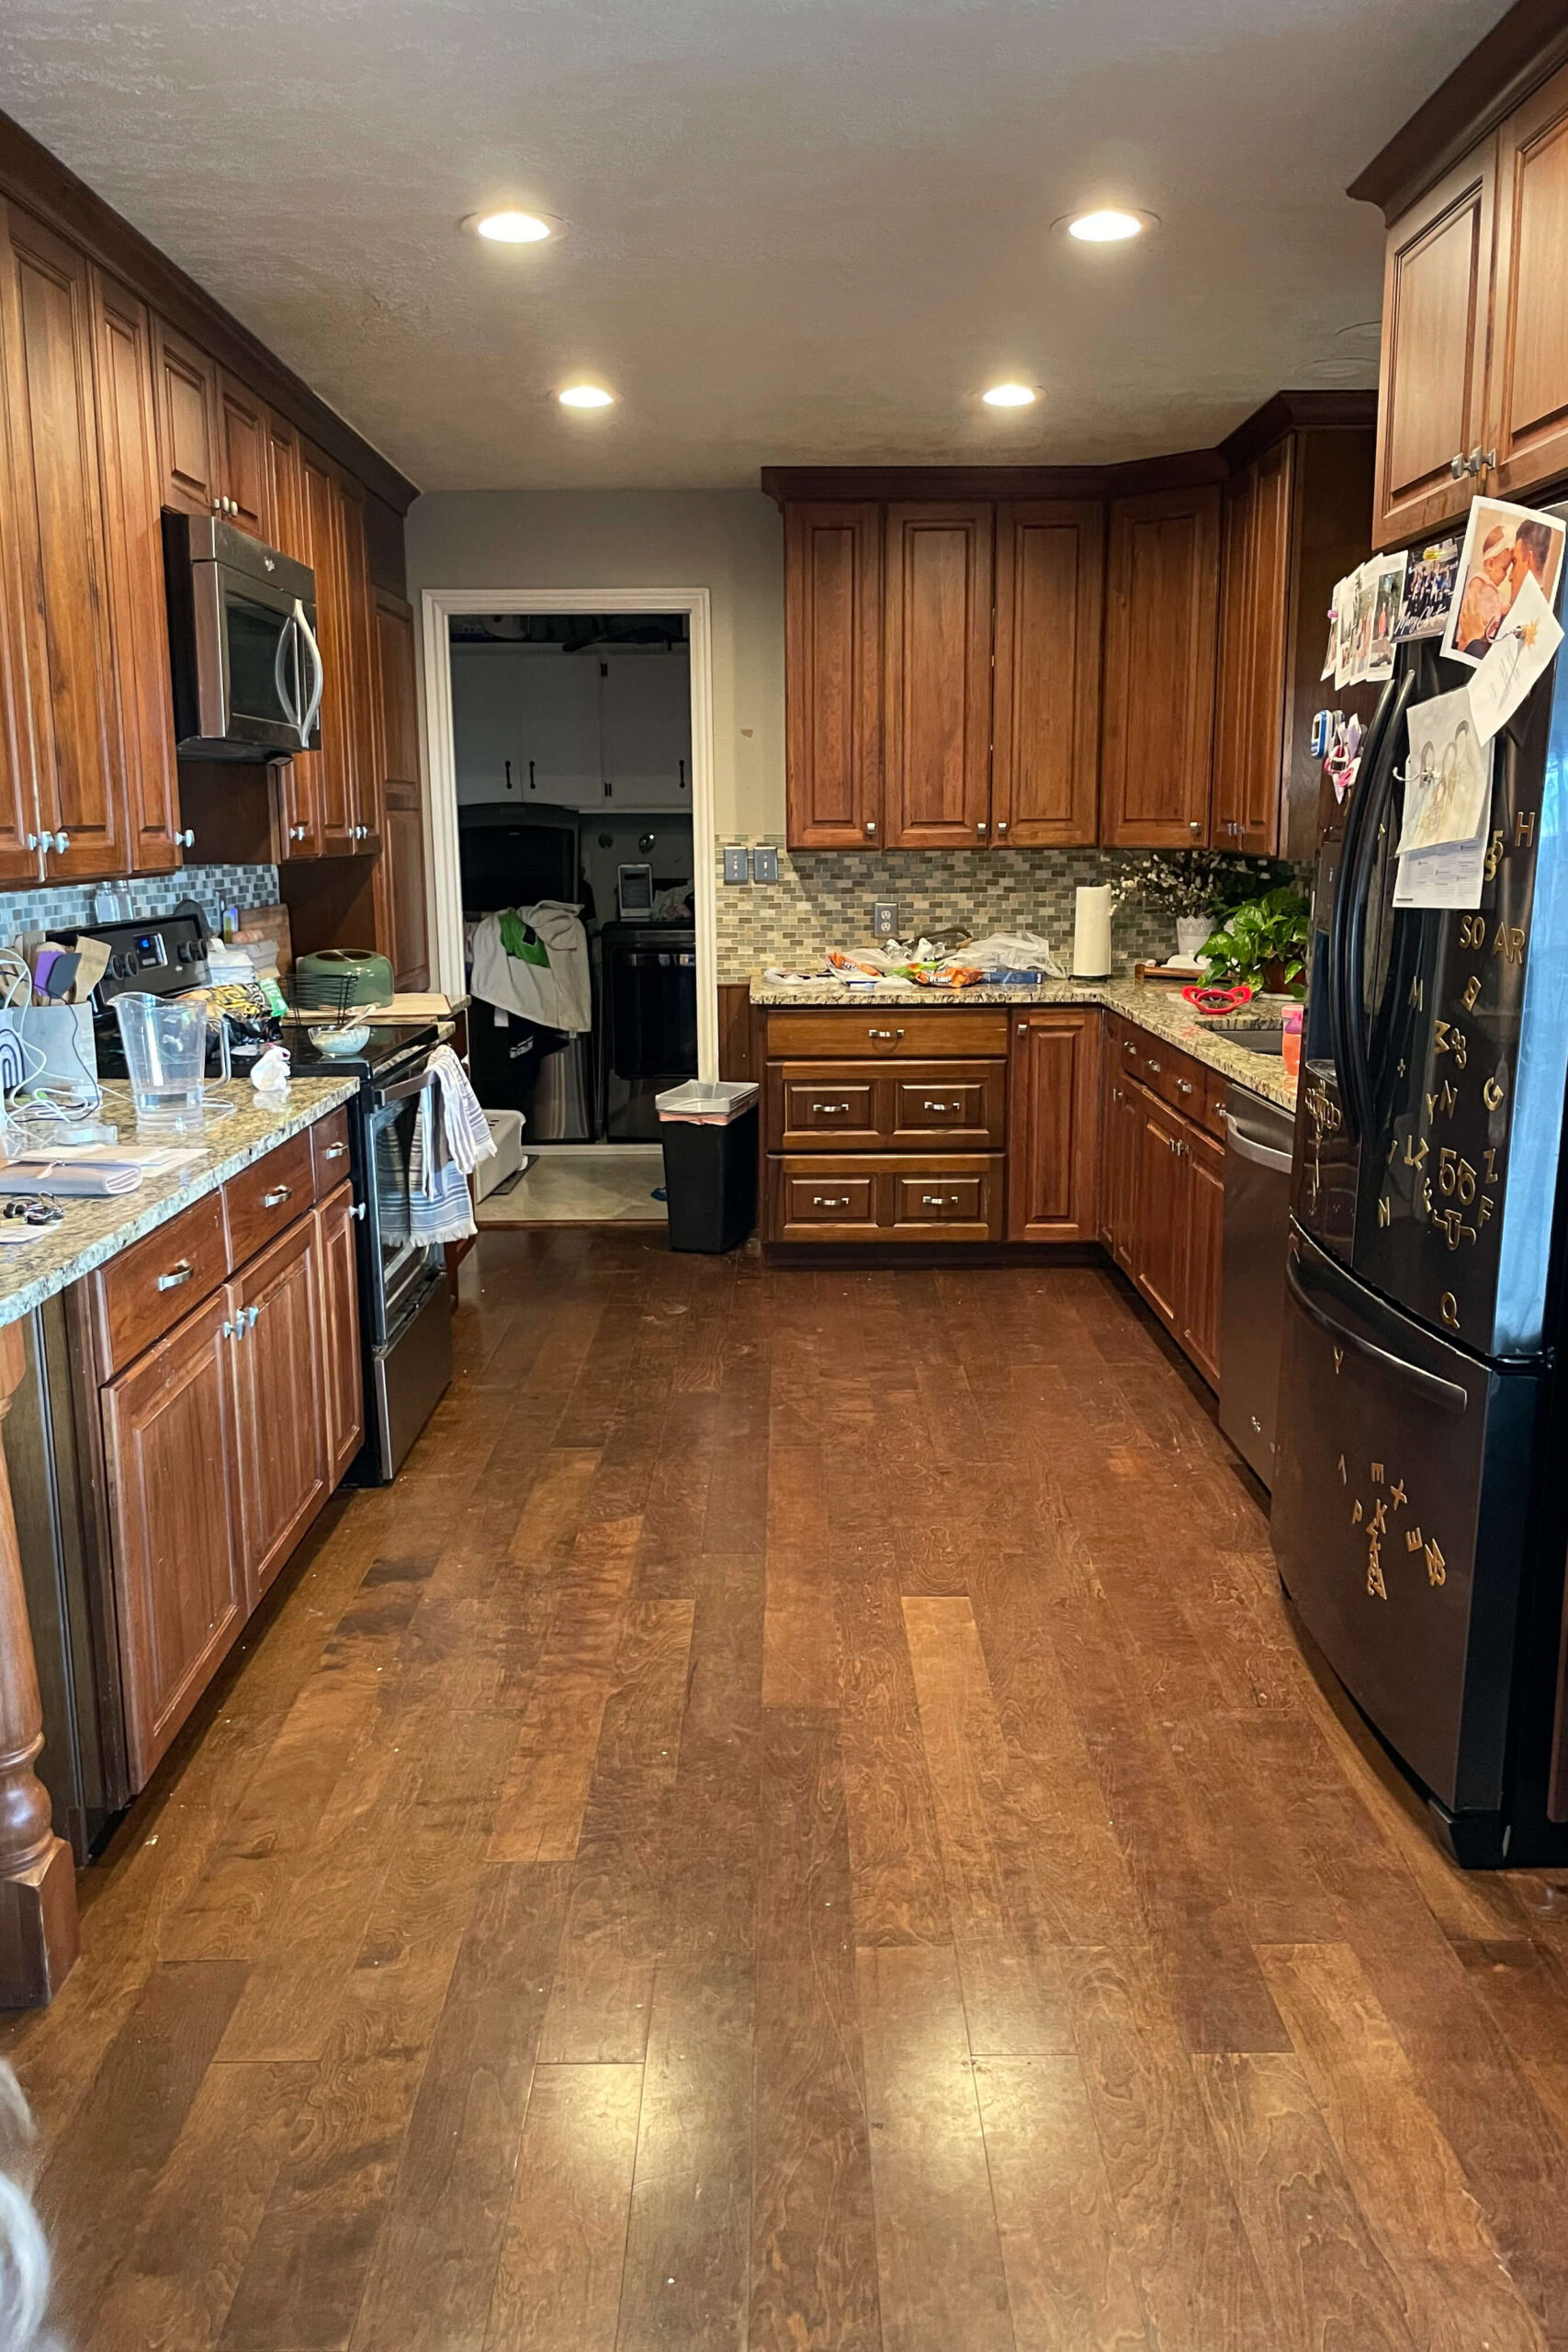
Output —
(172, 1463)
(1203, 1203)
(19, 818)
(1053, 1127)
(185, 381)
(342, 1373)
(1527, 393)
(937, 584)
(1118, 1177)
(245, 457)
(1238, 654)
(1254, 604)
(356, 670)
(282, 1420)
(1049, 600)
(47, 326)
(314, 792)
(1436, 281)
(1158, 1239)
(127, 449)
(399, 874)
(833, 675)
(1162, 614)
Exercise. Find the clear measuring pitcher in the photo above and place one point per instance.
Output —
(165, 1058)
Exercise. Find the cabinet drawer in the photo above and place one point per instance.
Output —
(861, 1106)
(329, 1151)
(818, 1200)
(1215, 1103)
(886, 1032)
(895, 1196)
(260, 1200)
(144, 1293)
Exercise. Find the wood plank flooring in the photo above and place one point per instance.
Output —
(798, 1822)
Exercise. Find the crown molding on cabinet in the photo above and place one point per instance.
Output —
(32, 178)
(1183, 469)
(1522, 50)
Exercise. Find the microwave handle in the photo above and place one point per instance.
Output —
(314, 699)
(282, 662)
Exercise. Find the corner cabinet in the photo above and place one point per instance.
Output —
(1162, 610)
(833, 675)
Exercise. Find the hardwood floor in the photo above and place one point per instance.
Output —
(798, 1822)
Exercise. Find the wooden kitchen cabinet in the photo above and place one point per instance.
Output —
(1162, 611)
(128, 453)
(276, 1304)
(1157, 1209)
(46, 323)
(1431, 407)
(402, 917)
(1119, 1165)
(1203, 1229)
(343, 1378)
(352, 828)
(244, 458)
(1527, 401)
(937, 694)
(1050, 590)
(171, 1453)
(1054, 1126)
(833, 675)
(189, 429)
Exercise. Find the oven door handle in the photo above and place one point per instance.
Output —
(400, 1089)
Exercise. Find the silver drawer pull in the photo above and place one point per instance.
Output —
(278, 1195)
(176, 1275)
(334, 1151)
(830, 1201)
(885, 1036)
(935, 1201)
(1184, 1086)
(826, 1107)
(253, 1317)
(1153, 1063)
(943, 1106)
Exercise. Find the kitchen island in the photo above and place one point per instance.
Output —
(180, 1367)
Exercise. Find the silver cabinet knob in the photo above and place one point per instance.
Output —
(1193, 826)
(981, 826)
(357, 1212)
(34, 842)
(62, 843)
(1456, 466)
(187, 840)
(871, 824)
(1002, 827)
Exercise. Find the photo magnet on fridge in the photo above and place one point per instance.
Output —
(1431, 575)
(1387, 596)
(1448, 775)
(1504, 547)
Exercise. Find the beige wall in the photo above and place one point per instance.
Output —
(729, 541)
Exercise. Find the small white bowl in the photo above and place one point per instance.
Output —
(340, 1040)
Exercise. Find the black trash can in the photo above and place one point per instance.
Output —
(709, 1133)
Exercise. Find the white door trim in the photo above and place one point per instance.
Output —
(437, 606)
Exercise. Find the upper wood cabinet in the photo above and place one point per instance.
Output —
(127, 451)
(1431, 408)
(244, 454)
(189, 433)
(1050, 586)
(285, 489)
(1053, 1121)
(1162, 603)
(1527, 430)
(46, 319)
(937, 707)
(402, 920)
(833, 675)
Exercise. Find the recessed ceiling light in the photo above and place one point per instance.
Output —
(585, 396)
(1010, 396)
(510, 228)
(1108, 226)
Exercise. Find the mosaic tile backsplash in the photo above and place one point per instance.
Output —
(823, 898)
(69, 906)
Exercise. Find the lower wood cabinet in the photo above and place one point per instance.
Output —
(897, 1197)
(1204, 1234)
(1054, 1127)
(221, 1444)
(1163, 1199)
(171, 1464)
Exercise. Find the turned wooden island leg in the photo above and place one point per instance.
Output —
(37, 1878)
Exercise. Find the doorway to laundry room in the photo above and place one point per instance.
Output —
(571, 738)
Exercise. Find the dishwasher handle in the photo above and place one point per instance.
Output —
(1245, 1147)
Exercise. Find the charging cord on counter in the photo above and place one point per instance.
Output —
(32, 1109)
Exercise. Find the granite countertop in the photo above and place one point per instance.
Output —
(1163, 1012)
(93, 1230)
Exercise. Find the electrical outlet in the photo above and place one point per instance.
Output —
(737, 865)
(885, 918)
(764, 862)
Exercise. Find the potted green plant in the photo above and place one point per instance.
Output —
(1261, 944)
(1194, 885)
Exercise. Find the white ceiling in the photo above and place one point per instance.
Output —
(798, 230)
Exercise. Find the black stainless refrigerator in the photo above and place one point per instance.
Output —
(1420, 1509)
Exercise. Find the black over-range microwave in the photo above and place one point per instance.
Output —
(242, 646)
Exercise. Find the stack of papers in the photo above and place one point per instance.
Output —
(91, 1170)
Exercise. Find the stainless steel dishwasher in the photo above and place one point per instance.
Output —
(1258, 1137)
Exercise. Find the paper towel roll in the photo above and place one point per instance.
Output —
(1091, 932)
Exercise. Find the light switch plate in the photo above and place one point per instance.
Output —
(736, 866)
(764, 862)
(885, 918)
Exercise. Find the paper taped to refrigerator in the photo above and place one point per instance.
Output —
(1521, 650)
(1448, 775)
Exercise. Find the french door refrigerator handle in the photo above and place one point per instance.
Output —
(1380, 795)
(1446, 1394)
(1347, 926)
